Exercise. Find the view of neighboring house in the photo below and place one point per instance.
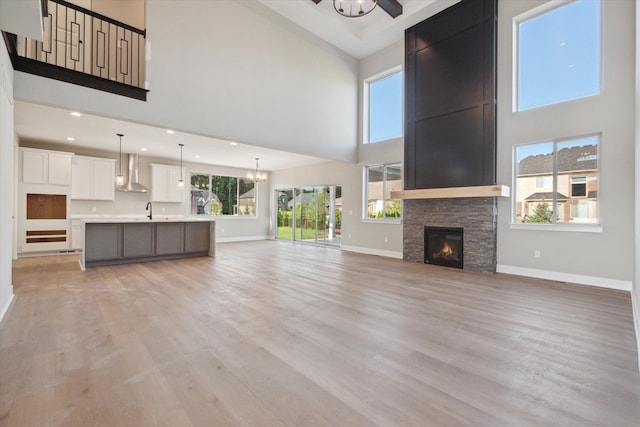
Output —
(573, 192)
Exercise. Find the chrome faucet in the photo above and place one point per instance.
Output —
(150, 209)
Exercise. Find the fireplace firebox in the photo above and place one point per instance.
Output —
(443, 246)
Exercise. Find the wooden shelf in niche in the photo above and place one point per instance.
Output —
(46, 206)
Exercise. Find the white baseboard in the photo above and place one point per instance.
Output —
(602, 282)
(240, 239)
(369, 251)
(5, 308)
(635, 297)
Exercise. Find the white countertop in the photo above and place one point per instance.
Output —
(161, 218)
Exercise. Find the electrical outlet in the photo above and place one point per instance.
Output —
(537, 254)
(93, 209)
(350, 211)
(386, 239)
(163, 209)
(222, 230)
(349, 235)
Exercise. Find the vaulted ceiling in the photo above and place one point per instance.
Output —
(358, 37)
(362, 36)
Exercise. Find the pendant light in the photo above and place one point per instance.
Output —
(120, 177)
(181, 180)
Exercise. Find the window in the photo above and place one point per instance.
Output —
(381, 180)
(222, 195)
(385, 107)
(310, 214)
(579, 186)
(544, 182)
(571, 167)
(559, 55)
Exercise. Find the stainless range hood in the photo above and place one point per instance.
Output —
(133, 185)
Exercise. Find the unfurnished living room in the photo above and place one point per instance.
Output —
(319, 212)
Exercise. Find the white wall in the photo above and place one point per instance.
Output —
(130, 12)
(6, 179)
(601, 258)
(635, 291)
(234, 70)
(357, 234)
(133, 204)
(23, 17)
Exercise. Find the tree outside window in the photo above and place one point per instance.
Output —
(222, 195)
(381, 180)
(557, 181)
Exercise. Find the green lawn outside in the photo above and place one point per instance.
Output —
(286, 232)
(307, 234)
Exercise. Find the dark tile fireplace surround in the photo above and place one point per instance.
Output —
(475, 216)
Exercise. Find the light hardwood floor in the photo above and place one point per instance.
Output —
(279, 334)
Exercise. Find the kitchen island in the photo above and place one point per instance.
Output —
(111, 241)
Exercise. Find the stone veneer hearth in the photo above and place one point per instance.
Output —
(477, 216)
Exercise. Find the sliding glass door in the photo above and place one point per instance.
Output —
(310, 214)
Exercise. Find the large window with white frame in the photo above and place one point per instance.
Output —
(558, 53)
(380, 181)
(557, 181)
(220, 195)
(383, 103)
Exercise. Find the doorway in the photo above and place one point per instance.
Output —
(310, 214)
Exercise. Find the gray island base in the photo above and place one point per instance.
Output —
(123, 241)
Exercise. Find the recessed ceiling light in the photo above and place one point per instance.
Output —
(70, 138)
(143, 149)
(233, 143)
(170, 132)
(76, 114)
(197, 156)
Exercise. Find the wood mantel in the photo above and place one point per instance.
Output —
(454, 192)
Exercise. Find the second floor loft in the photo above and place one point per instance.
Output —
(86, 48)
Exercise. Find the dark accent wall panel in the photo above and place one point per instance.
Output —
(450, 98)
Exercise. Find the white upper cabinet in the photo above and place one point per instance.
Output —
(93, 178)
(164, 183)
(60, 168)
(46, 167)
(34, 166)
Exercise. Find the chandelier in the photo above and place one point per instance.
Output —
(354, 8)
(257, 177)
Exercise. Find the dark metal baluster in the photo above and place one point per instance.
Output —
(127, 60)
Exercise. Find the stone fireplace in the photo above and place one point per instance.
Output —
(475, 216)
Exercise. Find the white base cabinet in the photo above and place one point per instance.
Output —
(77, 236)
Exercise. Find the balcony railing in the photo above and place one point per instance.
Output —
(86, 48)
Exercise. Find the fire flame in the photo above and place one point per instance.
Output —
(446, 249)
